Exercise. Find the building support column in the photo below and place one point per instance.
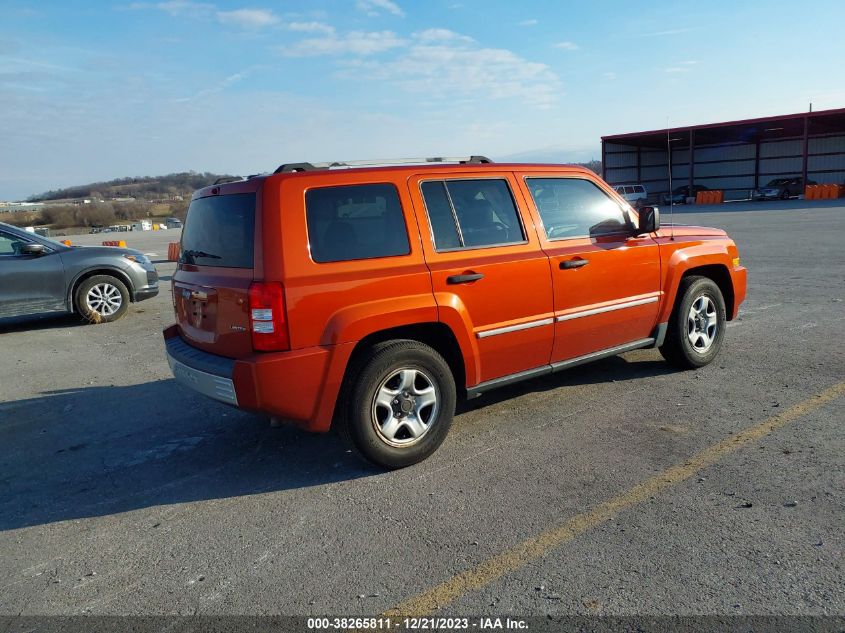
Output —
(603, 161)
(639, 162)
(691, 161)
(806, 150)
(756, 163)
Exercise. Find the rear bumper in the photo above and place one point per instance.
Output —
(300, 386)
(204, 373)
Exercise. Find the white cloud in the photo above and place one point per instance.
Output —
(460, 68)
(668, 32)
(245, 17)
(528, 23)
(357, 43)
(376, 7)
(441, 35)
(310, 27)
(248, 18)
(681, 67)
(220, 87)
(567, 46)
(177, 7)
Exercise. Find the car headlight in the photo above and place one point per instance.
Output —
(138, 259)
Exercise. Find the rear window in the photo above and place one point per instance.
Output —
(219, 231)
(355, 222)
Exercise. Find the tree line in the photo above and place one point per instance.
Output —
(144, 187)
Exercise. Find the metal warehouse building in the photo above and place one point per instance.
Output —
(736, 156)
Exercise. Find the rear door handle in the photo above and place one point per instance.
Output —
(464, 279)
(573, 263)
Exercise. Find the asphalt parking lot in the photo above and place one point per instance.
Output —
(619, 488)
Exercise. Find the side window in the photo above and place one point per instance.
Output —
(10, 244)
(629, 190)
(639, 189)
(355, 222)
(472, 213)
(573, 207)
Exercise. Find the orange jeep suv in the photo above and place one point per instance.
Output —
(376, 295)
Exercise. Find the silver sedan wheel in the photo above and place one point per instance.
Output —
(104, 299)
(405, 407)
(702, 324)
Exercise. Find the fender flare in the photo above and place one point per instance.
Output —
(683, 260)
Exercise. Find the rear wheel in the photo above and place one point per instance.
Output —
(400, 403)
(101, 299)
(784, 194)
(697, 325)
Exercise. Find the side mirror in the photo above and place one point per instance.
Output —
(649, 219)
(33, 249)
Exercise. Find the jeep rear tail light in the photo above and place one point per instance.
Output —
(267, 318)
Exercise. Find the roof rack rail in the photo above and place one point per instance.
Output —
(462, 160)
(225, 179)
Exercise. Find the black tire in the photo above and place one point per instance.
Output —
(785, 195)
(105, 311)
(677, 348)
(380, 370)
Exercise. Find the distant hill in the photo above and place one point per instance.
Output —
(142, 188)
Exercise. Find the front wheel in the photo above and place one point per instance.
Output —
(102, 299)
(400, 403)
(697, 325)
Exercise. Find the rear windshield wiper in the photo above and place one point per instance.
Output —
(200, 254)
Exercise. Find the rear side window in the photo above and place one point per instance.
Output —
(355, 222)
(471, 213)
(639, 189)
(629, 190)
(219, 231)
(573, 207)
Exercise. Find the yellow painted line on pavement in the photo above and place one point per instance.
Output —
(533, 548)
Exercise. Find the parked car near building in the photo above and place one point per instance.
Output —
(635, 194)
(375, 296)
(781, 188)
(39, 275)
(680, 194)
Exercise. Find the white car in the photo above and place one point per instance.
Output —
(634, 194)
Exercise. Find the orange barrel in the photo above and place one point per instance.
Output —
(66, 242)
(173, 251)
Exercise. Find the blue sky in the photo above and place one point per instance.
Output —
(96, 90)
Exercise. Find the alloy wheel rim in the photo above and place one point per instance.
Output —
(104, 299)
(405, 407)
(702, 324)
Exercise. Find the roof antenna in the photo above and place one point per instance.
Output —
(671, 195)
